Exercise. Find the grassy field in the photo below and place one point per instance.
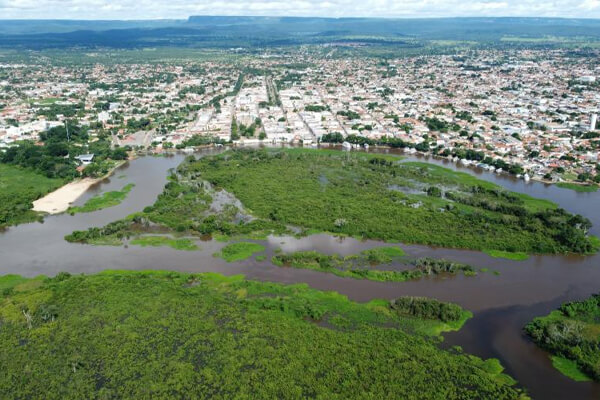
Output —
(239, 251)
(569, 368)
(157, 241)
(105, 200)
(132, 334)
(18, 189)
(572, 335)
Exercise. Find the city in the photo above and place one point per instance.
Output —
(534, 109)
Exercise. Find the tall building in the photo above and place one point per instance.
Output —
(593, 122)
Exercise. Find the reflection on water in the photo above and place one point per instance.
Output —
(502, 304)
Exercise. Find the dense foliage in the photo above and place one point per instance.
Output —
(427, 308)
(19, 187)
(572, 332)
(184, 206)
(55, 157)
(381, 197)
(166, 335)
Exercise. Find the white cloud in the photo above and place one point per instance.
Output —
(150, 9)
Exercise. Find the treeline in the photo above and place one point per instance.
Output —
(56, 157)
(52, 161)
(473, 155)
(200, 140)
(571, 333)
(463, 154)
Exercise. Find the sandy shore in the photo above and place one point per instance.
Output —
(60, 200)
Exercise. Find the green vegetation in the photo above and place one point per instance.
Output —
(205, 335)
(360, 266)
(157, 241)
(351, 194)
(108, 199)
(383, 255)
(374, 197)
(569, 368)
(515, 256)
(56, 158)
(577, 187)
(19, 187)
(239, 251)
(427, 308)
(572, 334)
(184, 206)
(9, 281)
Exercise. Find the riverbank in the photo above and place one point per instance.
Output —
(564, 184)
(60, 200)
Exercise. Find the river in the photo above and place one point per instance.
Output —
(501, 304)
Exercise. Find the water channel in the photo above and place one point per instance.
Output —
(502, 304)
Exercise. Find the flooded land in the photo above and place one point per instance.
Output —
(502, 303)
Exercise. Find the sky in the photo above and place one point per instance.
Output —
(156, 9)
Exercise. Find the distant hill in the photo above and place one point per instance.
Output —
(225, 31)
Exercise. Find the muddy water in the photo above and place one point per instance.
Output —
(501, 304)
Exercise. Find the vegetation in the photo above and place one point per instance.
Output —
(106, 200)
(569, 368)
(205, 335)
(571, 333)
(361, 195)
(56, 158)
(239, 251)
(427, 308)
(515, 256)
(383, 255)
(361, 266)
(19, 187)
(377, 197)
(577, 187)
(157, 241)
(183, 207)
(199, 140)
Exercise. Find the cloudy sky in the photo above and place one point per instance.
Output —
(152, 9)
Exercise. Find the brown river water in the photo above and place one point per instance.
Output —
(501, 304)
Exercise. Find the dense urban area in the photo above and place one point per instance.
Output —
(529, 113)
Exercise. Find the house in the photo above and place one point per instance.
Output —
(85, 159)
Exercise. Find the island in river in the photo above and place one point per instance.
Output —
(350, 194)
(572, 335)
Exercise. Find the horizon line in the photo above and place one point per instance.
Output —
(304, 16)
